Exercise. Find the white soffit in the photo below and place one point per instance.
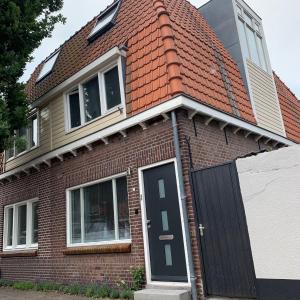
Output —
(177, 102)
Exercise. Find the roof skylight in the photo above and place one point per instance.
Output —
(48, 66)
(105, 21)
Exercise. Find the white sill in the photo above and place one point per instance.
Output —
(106, 114)
(21, 248)
(22, 153)
(113, 242)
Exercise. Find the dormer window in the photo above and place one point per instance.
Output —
(251, 38)
(95, 97)
(105, 21)
(48, 66)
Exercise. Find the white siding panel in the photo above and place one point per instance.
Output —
(265, 99)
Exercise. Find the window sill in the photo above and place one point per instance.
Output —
(18, 253)
(102, 249)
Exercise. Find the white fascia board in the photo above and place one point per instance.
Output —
(221, 116)
(177, 102)
(121, 126)
(106, 58)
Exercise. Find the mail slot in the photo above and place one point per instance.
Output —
(166, 237)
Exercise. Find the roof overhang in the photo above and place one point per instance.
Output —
(192, 106)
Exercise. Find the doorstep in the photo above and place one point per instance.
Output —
(162, 294)
(222, 298)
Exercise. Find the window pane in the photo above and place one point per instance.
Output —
(239, 11)
(33, 132)
(252, 44)
(91, 99)
(21, 144)
(103, 21)
(262, 53)
(74, 104)
(161, 188)
(112, 88)
(248, 19)
(243, 38)
(22, 225)
(123, 211)
(48, 66)
(34, 237)
(76, 217)
(99, 213)
(9, 218)
(10, 153)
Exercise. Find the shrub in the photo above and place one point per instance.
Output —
(91, 291)
(24, 286)
(5, 283)
(138, 276)
(47, 286)
(103, 292)
(126, 294)
(114, 294)
(74, 289)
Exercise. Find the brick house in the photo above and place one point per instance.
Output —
(118, 111)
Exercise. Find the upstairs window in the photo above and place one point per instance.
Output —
(105, 21)
(48, 66)
(27, 138)
(251, 39)
(21, 226)
(95, 97)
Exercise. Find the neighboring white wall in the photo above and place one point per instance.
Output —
(270, 186)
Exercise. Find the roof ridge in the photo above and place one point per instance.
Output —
(170, 51)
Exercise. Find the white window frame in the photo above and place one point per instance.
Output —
(114, 7)
(115, 204)
(258, 35)
(15, 247)
(41, 76)
(102, 92)
(28, 138)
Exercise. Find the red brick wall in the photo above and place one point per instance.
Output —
(138, 149)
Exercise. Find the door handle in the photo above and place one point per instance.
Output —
(201, 229)
(148, 223)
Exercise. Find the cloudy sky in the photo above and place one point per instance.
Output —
(280, 20)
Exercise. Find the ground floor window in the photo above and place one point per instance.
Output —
(21, 225)
(98, 213)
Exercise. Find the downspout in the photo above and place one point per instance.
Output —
(184, 207)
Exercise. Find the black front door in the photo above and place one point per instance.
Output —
(166, 250)
(225, 244)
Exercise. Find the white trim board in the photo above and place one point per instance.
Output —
(177, 102)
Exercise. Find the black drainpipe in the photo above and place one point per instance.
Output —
(184, 207)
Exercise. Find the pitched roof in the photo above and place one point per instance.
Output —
(290, 107)
(171, 50)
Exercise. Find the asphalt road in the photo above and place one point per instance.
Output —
(10, 294)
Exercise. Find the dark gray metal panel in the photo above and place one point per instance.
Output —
(226, 252)
(278, 289)
(221, 17)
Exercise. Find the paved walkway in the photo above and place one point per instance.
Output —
(11, 294)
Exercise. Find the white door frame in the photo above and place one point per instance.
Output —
(145, 231)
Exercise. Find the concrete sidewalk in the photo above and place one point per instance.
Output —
(11, 294)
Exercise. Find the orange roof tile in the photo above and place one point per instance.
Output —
(290, 107)
(171, 50)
